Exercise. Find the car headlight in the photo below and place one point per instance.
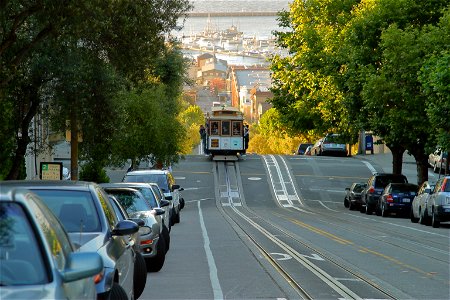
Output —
(144, 230)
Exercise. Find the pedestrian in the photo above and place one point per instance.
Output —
(246, 138)
(202, 132)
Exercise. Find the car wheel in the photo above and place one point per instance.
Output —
(434, 222)
(117, 292)
(140, 275)
(423, 219)
(362, 209)
(378, 210)
(181, 203)
(368, 209)
(384, 212)
(351, 205)
(166, 235)
(156, 263)
(177, 217)
(411, 216)
(346, 203)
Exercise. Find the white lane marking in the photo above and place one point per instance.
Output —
(254, 178)
(198, 200)
(283, 256)
(217, 290)
(322, 190)
(369, 165)
(191, 188)
(291, 181)
(179, 178)
(321, 203)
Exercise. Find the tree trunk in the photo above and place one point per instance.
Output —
(73, 144)
(23, 138)
(397, 158)
(421, 163)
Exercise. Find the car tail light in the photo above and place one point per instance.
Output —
(372, 190)
(389, 198)
(98, 277)
(444, 183)
(147, 242)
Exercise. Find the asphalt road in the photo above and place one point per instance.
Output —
(275, 227)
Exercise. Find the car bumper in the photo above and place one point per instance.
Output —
(149, 246)
(442, 213)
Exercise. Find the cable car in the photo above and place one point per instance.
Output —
(225, 133)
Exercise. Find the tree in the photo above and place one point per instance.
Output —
(129, 36)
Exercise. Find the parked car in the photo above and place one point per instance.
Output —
(438, 205)
(37, 259)
(88, 217)
(396, 198)
(437, 160)
(140, 268)
(419, 203)
(331, 144)
(352, 199)
(375, 186)
(154, 202)
(153, 245)
(308, 150)
(159, 195)
(165, 181)
(302, 148)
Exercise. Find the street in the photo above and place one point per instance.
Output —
(275, 227)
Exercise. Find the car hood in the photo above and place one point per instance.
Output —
(88, 241)
(146, 215)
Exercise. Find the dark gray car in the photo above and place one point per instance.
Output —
(87, 215)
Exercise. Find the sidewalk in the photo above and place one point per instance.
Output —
(382, 162)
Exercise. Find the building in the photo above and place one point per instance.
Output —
(250, 87)
(210, 69)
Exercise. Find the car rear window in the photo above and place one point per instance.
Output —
(358, 188)
(383, 181)
(404, 188)
(159, 179)
(75, 209)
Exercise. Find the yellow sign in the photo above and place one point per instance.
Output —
(51, 171)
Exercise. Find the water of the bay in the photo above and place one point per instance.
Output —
(254, 26)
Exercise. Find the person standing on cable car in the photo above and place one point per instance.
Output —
(246, 137)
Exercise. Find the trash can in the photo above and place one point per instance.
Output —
(369, 143)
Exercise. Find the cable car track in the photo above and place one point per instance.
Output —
(242, 212)
(376, 229)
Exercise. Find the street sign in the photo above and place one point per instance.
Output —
(51, 171)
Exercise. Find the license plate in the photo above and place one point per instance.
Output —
(406, 200)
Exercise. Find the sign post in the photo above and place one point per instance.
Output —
(51, 171)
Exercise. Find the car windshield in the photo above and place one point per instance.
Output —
(159, 179)
(403, 188)
(75, 209)
(131, 201)
(383, 181)
(21, 262)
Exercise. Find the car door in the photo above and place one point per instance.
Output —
(433, 196)
(119, 248)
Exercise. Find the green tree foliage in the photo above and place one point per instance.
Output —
(353, 65)
(271, 136)
(118, 38)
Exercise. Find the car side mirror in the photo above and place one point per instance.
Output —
(125, 227)
(175, 187)
(138, 221)
(168, 197)
(164, 203)
(347, 189)
(159, 211)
